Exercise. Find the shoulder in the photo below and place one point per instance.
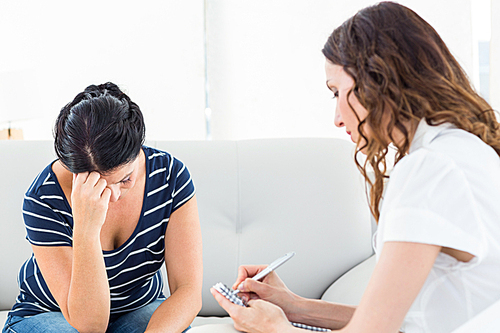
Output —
(435, 194)
(167, 180)
(46, 212)
(446, 148)
(43, 184)
(447, 143)
(163, 168)
(156, 158)
(460, 145)
(446, 164)
(422, 168)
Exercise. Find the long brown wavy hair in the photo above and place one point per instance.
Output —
(403, 71)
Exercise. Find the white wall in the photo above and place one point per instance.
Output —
(265, 64)
(266, 67)
(495, 56)
(153, 49)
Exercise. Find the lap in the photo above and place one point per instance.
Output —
(135, 321)
(49, 322)
(54, 322)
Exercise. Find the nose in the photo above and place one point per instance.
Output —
(338, 118)
(115, 193)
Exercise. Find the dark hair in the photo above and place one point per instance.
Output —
(100, 130)
(403, 69)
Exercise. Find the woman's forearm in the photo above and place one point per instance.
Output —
(89, 296)
(177, 312)
(88, 302)
(321, 313)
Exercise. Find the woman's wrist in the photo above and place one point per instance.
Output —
(88, 240)
(295, 307)
(85, 231)
(321, 313)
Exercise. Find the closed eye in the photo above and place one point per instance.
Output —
(125, 181)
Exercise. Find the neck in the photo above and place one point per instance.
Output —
(399, 137)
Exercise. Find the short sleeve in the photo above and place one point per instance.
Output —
(183, 185)
(45, 225)
(429, 200)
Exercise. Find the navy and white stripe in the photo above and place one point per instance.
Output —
(134, 268)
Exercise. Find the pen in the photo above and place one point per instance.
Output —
(272, 266)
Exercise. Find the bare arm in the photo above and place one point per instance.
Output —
(297, 309)
(320, 313)
(398, 277)
(183, 258)
(77, 276)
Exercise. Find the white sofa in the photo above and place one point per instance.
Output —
(258, 199)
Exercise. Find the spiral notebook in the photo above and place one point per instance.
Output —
(231, 295)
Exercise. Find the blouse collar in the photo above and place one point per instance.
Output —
(425, 133)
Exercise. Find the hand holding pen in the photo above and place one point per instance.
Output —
(271, 288)
(260, 272)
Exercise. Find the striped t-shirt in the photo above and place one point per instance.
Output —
(133, 269)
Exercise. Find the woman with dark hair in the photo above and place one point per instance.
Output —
(438, 254)
(97, 221)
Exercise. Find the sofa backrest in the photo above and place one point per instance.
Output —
(257, 199)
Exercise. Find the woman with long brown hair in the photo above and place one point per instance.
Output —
(438, 256)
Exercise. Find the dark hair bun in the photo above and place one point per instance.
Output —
(100, 130)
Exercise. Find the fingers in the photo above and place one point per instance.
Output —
(271, 318)
(251, 289)
(236, 312)
(92, 183)
(106, 194)
(245, 297)
(259, 316)
(94, 180)
(252, 286)
(242, 275)
(79, 179)
(247, 271)
(224, 302)
(90, 199)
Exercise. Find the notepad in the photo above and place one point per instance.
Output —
(233, 297)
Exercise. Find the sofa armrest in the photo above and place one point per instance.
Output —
(349, 288)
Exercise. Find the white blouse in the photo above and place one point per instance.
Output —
(447, 192)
